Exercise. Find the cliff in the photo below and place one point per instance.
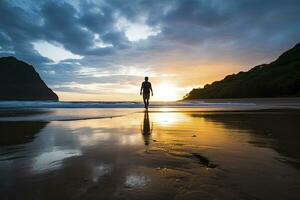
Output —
(20, 81)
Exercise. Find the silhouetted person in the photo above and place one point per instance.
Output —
(145, 90)
(146, 129)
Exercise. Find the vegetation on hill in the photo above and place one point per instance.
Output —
(280, 78)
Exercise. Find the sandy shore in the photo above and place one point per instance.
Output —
(164, 154)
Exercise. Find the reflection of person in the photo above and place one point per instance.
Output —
(146, 129)
(145, 90)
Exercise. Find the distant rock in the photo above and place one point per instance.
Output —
(19, 81)
(280, 78)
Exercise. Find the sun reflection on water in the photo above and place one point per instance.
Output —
(167, 118)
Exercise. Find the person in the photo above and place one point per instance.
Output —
(145, 90)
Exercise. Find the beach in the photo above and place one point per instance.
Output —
(210, 151)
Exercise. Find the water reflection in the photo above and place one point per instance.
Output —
(100, 170)
(106, 158)
(279, 131)
(146, 129)
(52, 160)
(15, 133)
(136, 181)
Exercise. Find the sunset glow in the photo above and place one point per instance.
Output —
(166, 92)
(102, 50)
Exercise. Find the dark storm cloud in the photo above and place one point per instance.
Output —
(58, 22)
(240, 27)
(17, 30)
(197, 21)
(61, 25)
(77, 31)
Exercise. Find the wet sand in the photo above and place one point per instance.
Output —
(162, 154)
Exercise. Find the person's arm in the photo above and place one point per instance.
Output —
(142, 86)
(151, 89)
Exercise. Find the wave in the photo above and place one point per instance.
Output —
(66, 104)
(71, 111)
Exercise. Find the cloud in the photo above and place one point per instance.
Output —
(54, 51)
(192, 38)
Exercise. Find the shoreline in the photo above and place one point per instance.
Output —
(50, 114)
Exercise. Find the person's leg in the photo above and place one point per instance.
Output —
(145, 102)
(146, 97)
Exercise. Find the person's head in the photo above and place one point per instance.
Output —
(146, 78)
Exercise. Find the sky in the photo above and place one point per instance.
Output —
(101, 50)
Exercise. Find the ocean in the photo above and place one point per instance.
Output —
(72, 110)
